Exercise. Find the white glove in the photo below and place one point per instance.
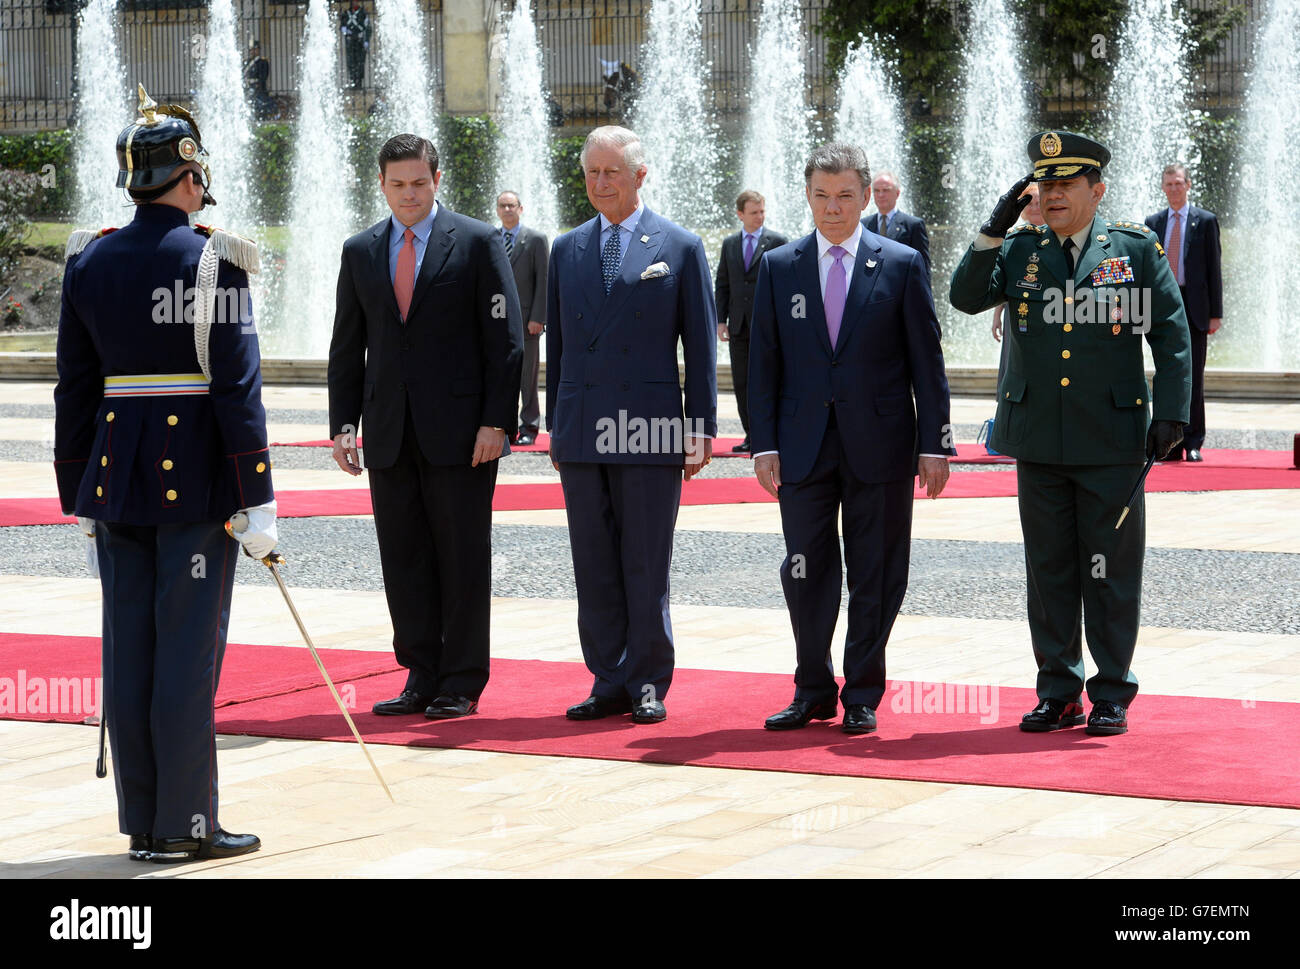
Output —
(87, 526)
(259, 536)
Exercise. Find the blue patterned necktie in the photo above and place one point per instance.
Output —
(610, 257)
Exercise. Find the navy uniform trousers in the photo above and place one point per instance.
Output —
(167, 595)
(877, 545)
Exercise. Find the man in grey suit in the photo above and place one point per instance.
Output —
(733, 292)
(528, 253)
(894, 224)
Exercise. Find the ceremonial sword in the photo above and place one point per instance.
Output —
(239, 522)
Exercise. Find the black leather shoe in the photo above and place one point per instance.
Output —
(141, 846)
(599, 707)
(1194, 454)
(223, 844)
(526, 438)
(742, 448)
(1052, 715)
(448, 706)
(858, 718)
(798, 713)
(649, 711)
(1107, 719)
(408, 702)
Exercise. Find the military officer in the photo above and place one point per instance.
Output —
(1073, 408)
(160, 436)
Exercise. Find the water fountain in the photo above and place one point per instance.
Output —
(677, 132)
(405, 79)
(994, 132)
(1149, 123)
(302, 311)
(1261, 328)
(868, 113)
(103, 110)
(225, 122)
(777, 139)
(523, 154)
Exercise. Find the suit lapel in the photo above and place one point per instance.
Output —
(809, 281)
(379, 263)
(441, 241)
(593, 286)
(646, 241)
(866, 270)
(1098, 249)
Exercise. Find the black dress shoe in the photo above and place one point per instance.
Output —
(1194, 454)
(141, 846)
(742, 448)
(1052, 715)
(599, 707)
(1107, 719)
(408, 702)
(526, 438)
(798, 713)
(858, 718)
(223, 844)
(448, 706)
(649, 711)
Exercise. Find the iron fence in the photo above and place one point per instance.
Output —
(161, 43)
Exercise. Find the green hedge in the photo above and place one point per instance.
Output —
(47, 154)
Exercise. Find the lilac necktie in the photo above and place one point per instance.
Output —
(749, 252)
(836, 293)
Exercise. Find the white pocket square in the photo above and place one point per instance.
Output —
(655, 271)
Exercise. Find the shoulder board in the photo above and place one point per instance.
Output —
(81, 238)
(234, 249)
(1137, 228)
(1024, 227)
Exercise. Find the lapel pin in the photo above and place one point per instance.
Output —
(645, 238)
(871, 264)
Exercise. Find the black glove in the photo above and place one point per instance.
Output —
(1162, 436)
(1008, 209)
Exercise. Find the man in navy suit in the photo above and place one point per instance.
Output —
(894, 224)
(622, 291)
(1191, 240)
(844, 336)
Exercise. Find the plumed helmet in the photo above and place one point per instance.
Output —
(152, 148)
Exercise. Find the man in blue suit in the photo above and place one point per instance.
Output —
(893, 223)
(622, 290)
(845, 336)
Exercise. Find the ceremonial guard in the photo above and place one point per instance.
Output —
(1074, 409)
(160, 437)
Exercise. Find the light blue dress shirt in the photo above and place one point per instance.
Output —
(625, 230)
(397, 236)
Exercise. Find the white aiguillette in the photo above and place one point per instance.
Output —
(655, 271)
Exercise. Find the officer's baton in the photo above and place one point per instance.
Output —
(1137, 488)
(240, 521)
(100, 769)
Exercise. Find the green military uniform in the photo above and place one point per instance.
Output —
(1073, 409)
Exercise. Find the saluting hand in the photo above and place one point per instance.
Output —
(1008, 209)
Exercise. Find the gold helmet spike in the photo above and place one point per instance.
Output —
(148, 108)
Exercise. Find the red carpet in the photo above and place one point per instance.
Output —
(1268, 474)
(248, 672)
(1180, 748)
(975, 454)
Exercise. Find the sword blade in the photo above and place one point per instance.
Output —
(328, 682)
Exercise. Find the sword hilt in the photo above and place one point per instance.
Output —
(237, 524)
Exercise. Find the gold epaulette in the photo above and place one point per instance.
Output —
(1136, 227)
(81, 238)
(1025, 227)
(234, 249)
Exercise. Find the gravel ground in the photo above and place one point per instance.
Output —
(1186, 588)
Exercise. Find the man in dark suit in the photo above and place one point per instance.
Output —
(893, 224)
(1191, 241)
(623, 289)
(733, 292)
(426, 352)
(528, 252)
(845, 336)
